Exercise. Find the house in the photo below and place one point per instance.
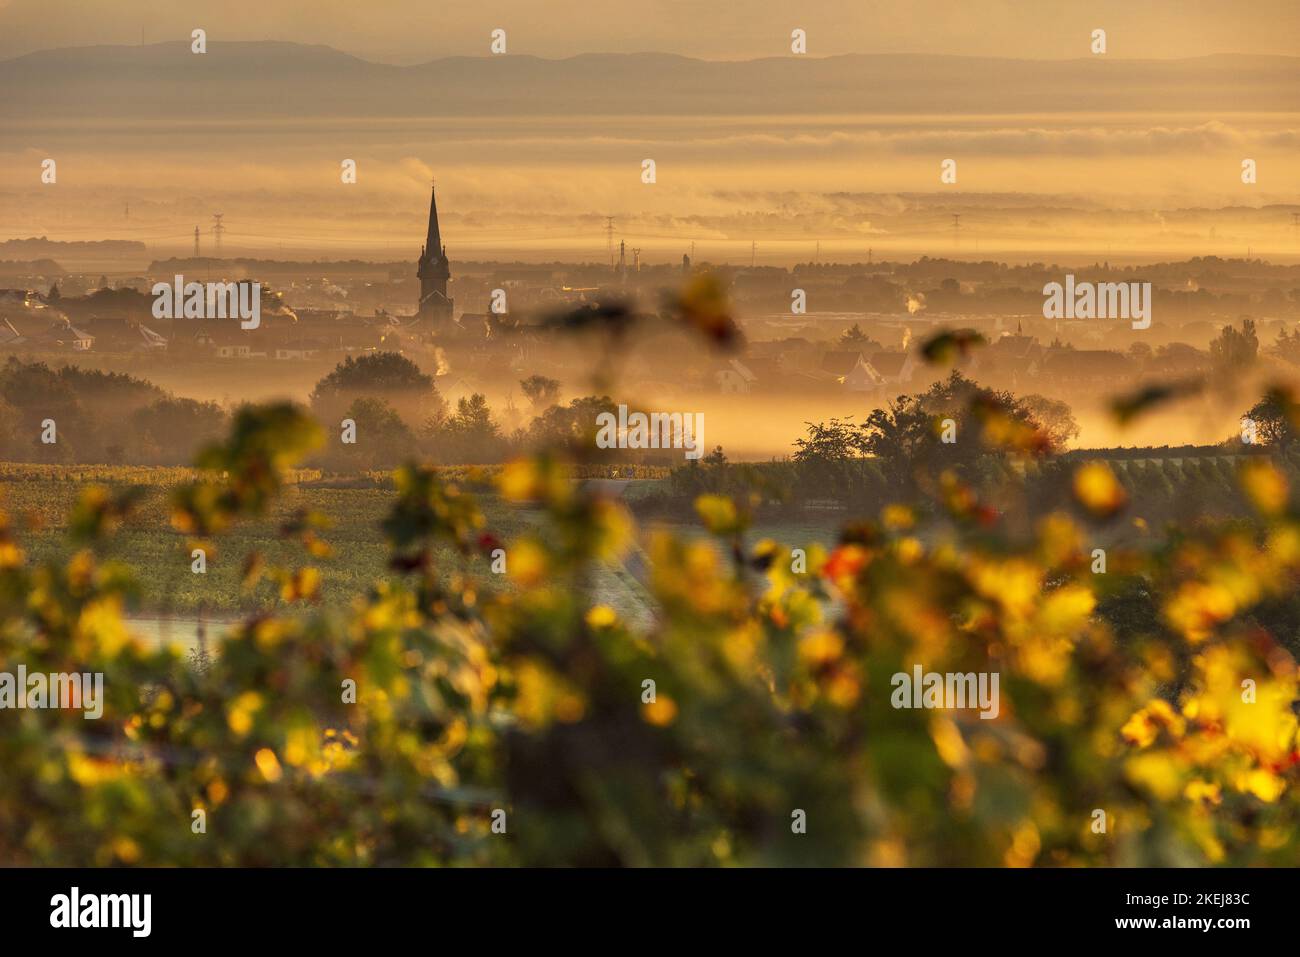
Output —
(791, 353)
(353, 333)
(16, 297)
(223, 342)
(895, 368)
(1015, 347)
(119, 334)
(1011, 358)
(811, 383)
(862, 378)
(61, 336)
(298, 349)
(852, 370)
(10, 337)
(1092, 367)
(234, 351)
(734, 377)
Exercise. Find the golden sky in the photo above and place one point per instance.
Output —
(1072, 162)
(408, 31)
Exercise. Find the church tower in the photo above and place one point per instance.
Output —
(434, 272)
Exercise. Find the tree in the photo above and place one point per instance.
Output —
(173, 429)
(1141, 351)
(383, 439)
(377, 372)
(389, 376)
(570, 425)
(540, 390)
(1054, 417)
(835, 441)
(103, 416)
(1287, 346)
(469, 436)
(112, 392)
(855, 338)
(908, 437)
(36, 393)
(830, 463)
(1232, 351)
(1273, 425)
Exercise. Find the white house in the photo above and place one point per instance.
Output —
(853, 371)
(735, 377)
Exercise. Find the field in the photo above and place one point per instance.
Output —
(38, 500)
(38, 505)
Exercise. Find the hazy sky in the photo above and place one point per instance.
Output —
(1096, 178)
(409, 31)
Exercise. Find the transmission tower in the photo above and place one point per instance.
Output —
(196, 242)
(217, 230)
(609, 238)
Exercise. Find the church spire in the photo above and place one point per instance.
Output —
(433, 244)
(434, 272)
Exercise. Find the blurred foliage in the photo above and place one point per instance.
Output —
(1126, 408)
(1158, 691)
(946, 347)
(771, 694)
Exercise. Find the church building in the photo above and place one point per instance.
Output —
(435, 307)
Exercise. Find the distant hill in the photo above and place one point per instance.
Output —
(30, 267)
(277, 79)
(43, 248)
(273, 267)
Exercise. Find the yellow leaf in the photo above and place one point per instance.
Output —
(1265, 486)
(661, 712)
(949, 743)
(602, 616)
(1097, 489)
(239, 713)
(528, 562)
(718, 512)
(821, 647)
(1263, 784)
(268, 764)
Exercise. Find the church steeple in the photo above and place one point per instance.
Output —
(434, 271)
(433, 242)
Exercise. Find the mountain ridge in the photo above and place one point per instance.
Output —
(281, 78)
